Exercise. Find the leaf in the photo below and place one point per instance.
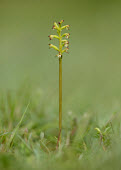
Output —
(98, 130)
(17, 127)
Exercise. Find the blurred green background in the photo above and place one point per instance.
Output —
(91, 85)
(91, 71)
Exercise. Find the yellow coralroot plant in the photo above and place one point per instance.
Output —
(63, 48)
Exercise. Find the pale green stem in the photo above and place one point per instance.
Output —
(60, 87)
(60, 97)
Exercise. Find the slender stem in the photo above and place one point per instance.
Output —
(60, 98)
(60, 86)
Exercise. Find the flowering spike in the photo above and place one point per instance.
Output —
(62, 43)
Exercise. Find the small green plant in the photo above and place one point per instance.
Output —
(63, 47)
(104, 136)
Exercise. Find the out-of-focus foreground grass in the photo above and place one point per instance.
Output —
(90, 137)
(91, 85)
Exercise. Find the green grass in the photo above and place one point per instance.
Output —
(28, 134)
(91, 86)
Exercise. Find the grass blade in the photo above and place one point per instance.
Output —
(17, 127)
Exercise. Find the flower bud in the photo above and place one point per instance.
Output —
(61, 22)
(54, 47)
(56, 26)
(59, 55)
(65, 50)
(53, 27)
(67, 35)
(50, 37)
(53, 36)
(65, 43)
(66, 26)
